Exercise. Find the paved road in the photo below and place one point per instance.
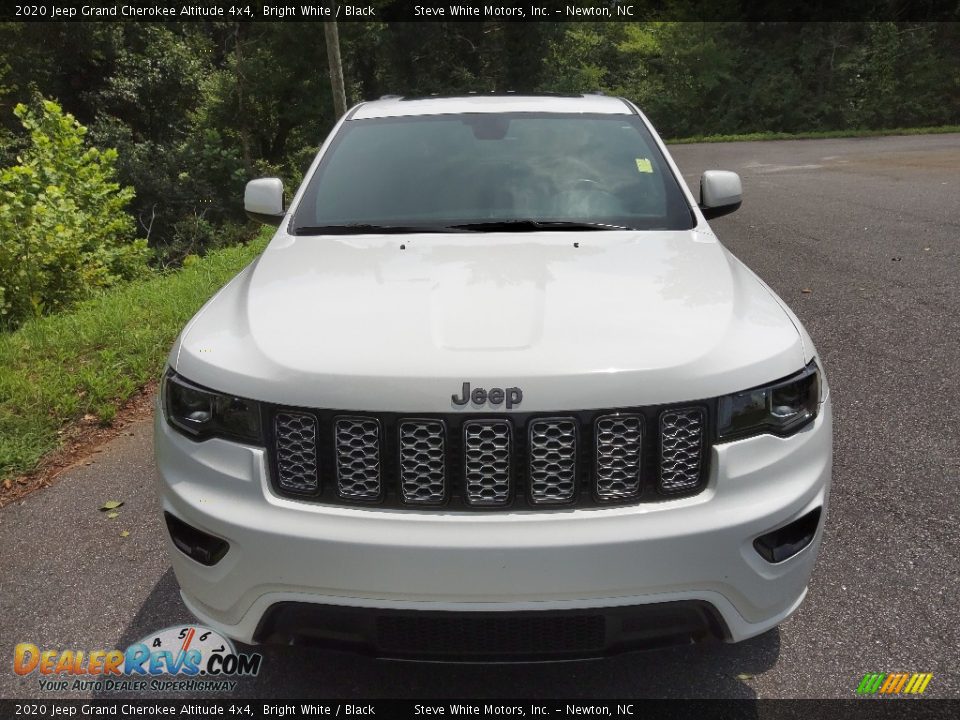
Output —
(872, 228)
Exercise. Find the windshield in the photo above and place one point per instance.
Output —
(488, 172)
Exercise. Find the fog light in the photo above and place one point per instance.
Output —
(205, 549)
(787, 541)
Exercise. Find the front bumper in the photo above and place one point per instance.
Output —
(696, 551)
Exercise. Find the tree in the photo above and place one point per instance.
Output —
(63, 227)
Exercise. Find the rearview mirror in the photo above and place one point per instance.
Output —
(720, 193)
(263, 200)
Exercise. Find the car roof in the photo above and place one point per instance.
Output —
(393, 106)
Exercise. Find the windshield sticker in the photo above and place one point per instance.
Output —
(644, 165)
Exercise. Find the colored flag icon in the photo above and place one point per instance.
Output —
(894, 683)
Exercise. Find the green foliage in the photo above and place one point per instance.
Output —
(91, 358)
(697, 78)
(154, 79)
(63, 227)
(195, 235)
(261, 107)
(576, 59)
(195, 110)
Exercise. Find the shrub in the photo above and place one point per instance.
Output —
(63, 229)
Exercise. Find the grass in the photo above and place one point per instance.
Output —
(55, 370)
(816, 135)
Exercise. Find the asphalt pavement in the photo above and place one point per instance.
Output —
(862, 238)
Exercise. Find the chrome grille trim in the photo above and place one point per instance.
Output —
(619, 455)
(553, 460)
(487, 455)
(681, 449)
(357, 443)
(297, 468)
(423, 473)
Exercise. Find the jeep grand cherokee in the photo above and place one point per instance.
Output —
(494, 390)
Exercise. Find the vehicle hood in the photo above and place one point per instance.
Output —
(577, 320)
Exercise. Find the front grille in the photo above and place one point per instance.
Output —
(296, 453)
(681, 449)
(358, 457)
(486, 455)
(422, 461)
(619, 451)
(487, 463)
(553, 460)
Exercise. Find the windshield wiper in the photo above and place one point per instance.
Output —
(363, 229)
(535, 225)
(482, 226)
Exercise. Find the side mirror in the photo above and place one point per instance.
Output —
(263, 200)
(721, 192)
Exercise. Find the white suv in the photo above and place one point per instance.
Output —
(494, 390)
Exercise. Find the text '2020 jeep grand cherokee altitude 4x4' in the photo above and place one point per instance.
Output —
(494, 390)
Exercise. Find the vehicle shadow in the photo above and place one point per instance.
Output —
(708, 670)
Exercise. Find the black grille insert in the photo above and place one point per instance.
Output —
(358, 457)
(553, 460)
(681, 449)
(423, 470)
(296, 451)
(488, 463)
(619, 455)
(487, 450)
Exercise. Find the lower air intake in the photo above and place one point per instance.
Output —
(492, 635)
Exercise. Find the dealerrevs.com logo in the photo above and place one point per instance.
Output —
(181, 658)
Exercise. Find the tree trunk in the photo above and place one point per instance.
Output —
(336, 67)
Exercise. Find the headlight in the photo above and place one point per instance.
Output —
(201, 413)
(780, 409)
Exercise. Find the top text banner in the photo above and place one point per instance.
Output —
(503, 11)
